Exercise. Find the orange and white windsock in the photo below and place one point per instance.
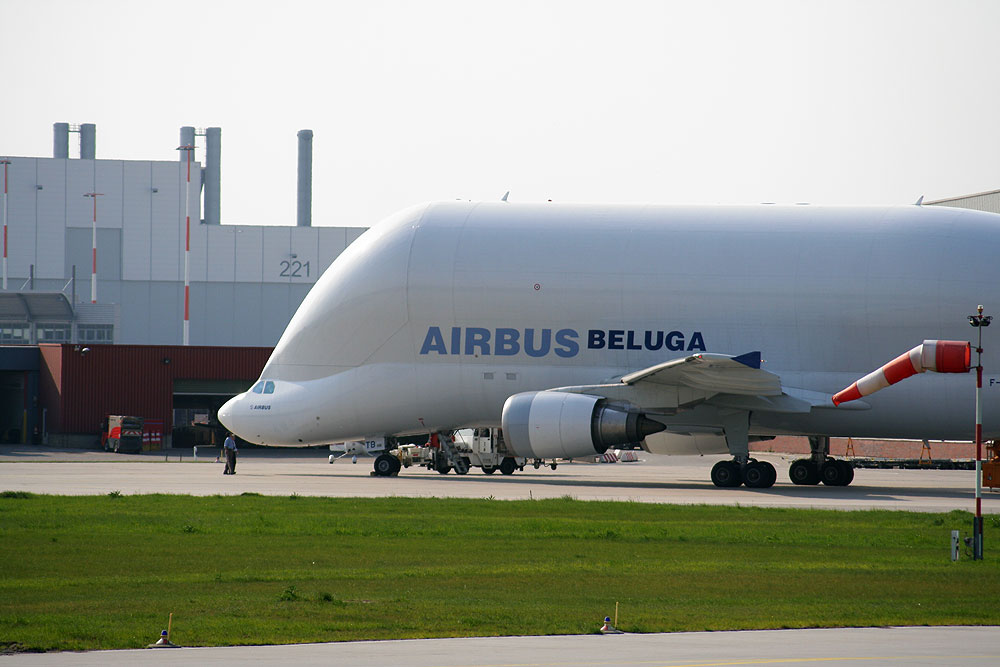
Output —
(940, 356)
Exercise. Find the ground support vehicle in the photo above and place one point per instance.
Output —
(120, 433)
(477, 448)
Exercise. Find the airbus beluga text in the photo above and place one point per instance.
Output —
(686, 329)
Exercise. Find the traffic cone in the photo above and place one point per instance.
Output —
(164, 642)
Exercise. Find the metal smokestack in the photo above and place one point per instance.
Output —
(60, 140)
(304, 218)
(187, 139)
(213, 174)
(88, 141)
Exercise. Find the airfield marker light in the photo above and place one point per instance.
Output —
(979, 321)
(164, 640)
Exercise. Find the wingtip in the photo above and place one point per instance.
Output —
(751, 359)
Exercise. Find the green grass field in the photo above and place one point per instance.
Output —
(105, 572)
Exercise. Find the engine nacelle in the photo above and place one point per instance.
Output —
(556, 424)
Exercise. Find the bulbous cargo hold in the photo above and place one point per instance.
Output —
(939, 356)
(557, 424)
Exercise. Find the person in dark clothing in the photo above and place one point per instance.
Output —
(230, 448)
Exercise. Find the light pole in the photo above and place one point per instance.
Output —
(93, 270)
(979, 321)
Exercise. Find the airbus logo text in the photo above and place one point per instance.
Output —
(566, 343)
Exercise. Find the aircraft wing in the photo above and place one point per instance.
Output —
(722, 380)
(715, 373)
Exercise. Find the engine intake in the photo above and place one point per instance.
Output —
(556, 424)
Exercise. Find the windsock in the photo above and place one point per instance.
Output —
(940, 356)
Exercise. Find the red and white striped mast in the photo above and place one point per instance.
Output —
(979, 321)
(187, 246)
(93, 269)
(5, 162)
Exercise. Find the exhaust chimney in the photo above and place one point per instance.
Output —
(88, 141)
(187, 139)
(60, 140)
(305, 178)
(213, 174)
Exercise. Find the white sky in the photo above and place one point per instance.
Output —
(628, 101)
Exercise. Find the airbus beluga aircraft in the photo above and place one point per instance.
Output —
(578, 328)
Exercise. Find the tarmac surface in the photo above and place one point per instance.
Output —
(656, 479)
(939, 646)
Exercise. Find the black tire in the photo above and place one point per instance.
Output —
(772, 475)
(508, 466)
(848, 473)
(803, 472)
(726, 474)
(833, 473)
(386, 465)
(537, 464)
(837, 473)
(463, 467)
(489, 470)
(759, 475)
(554, 465)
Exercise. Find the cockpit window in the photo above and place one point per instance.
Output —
(269, 387)
(258, 388)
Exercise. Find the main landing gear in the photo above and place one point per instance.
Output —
(755, 474)
(819, 467)
(742, 469)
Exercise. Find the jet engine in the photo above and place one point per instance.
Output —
(556, 424)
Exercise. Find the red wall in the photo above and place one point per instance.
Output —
(80, 389)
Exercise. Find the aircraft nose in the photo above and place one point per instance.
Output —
(226, 414)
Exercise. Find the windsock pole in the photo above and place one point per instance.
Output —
(979, 321)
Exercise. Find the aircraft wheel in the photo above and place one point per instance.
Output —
(804, 472)
(848, 473)
(385, 466)
(832, 473)
(772, 474)
(726, 474)
(489, 470)
(396, 465)
(508, 465)
(837, 473)
(759, 475)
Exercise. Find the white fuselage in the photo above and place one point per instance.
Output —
(432, 318)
